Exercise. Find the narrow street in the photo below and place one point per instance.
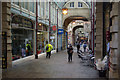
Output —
(56, 67)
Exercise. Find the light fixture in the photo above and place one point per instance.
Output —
(82, 23)
(64, 11)
(40, 24)
(73, 22)
(38, 33)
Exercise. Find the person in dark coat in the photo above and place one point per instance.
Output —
(78, 46)
(84, 46)
(70, 53)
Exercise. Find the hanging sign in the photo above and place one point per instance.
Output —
(60, 31)
(54, 28)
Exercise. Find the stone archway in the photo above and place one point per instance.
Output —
(65, 25)
(73, 33)
(74, 13)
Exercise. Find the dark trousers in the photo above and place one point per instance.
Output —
(84, 49)
(70, 57)
(48, 54)
(78, 49)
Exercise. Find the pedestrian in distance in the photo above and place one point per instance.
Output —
(84, 46)
(48, 48)
(78, 46)
(70, 53)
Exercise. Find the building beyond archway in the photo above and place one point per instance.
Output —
(75, 12)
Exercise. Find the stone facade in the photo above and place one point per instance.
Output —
(114, 44)
(0, 40)
(6, 14)
(103, 19)
(99, 30)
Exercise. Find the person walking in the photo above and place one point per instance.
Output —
(70, 53)
(78, 46)
(84, 46)
(48, 48)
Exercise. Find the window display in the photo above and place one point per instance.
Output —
(22, 43)
(41, 38)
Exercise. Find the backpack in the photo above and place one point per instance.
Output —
(47, 47)
(84, 45)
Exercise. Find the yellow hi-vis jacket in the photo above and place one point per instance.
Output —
(50, 47)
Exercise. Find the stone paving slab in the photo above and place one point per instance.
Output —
(56, 67)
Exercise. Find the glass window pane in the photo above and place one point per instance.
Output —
(72, 4)
(31, 5)
(16, 2)
(22, 4)
(26, 5)
(79, 4)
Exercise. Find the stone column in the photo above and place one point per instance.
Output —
(6, 27)
(64, 39)
(0, 39)
(119, 41)
(99, 30)
(114, 29)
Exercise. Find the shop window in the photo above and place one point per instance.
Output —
(22, 4)
(26, 5)
(31, 5)
(41, 38)
(72, 4)
(22, 43)
(80, 4)
(22, 36)
(16, 2)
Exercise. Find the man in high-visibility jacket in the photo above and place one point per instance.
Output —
(48, 48)
(28, 49)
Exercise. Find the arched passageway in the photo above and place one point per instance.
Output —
(66, 23)
(74, 13)
(74, 36)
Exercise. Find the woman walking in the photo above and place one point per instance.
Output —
(70, 53)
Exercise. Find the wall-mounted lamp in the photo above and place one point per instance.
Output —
(39, 24)
(64, 11)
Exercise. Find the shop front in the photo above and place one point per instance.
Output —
(22, 37)
(60, 32)
(42, 37)
(53, 36)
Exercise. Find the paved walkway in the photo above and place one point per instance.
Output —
(56, 67)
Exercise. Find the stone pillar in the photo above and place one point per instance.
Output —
(114, 44)
(64, 39)
(99, 30)
(0, 39)
(6, 27)
(119, 41)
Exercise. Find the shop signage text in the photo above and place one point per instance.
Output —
(52, 37)
(54, 28)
